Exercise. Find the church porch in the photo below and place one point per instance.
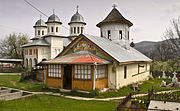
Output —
(82, 71)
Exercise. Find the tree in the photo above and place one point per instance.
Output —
(11, 46)
(164, 50)
(172, 36)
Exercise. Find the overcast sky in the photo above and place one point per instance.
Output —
(150, 17)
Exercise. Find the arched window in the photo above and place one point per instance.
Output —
(52, 29)
(35, 61)
(56, 29)
(109, 34)
(43, 32)
(26, 64)
(78, 30)
(39, 32)
(30, 62)
(74, 30)
(82, 30)
(120, 34)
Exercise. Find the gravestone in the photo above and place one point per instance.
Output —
(174, 79)
(163, 83)
(164, 75)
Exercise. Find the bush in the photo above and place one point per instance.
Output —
(95, 92)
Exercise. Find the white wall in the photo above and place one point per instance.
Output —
(118, 81)
(132, 74)
(54, 25)
(40, 29)
(43, 52)
(56, 46)
(72, 25)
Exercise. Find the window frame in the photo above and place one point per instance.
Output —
(54, 71)
(82, 72)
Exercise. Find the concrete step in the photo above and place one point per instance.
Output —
(10, 94)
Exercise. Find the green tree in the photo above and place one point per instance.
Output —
(10, 47)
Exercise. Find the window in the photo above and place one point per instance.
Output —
(101, 34)
(120, 34)
(34, 51)
(54, 71)
(82, 72)
(30, 51)
(27, 52)
(141, 68)
(125, 72)
(52, 29)
(43, 32)
(109, 35)
(56, 29)
(101, 72)
(128, 35)
(74, 30)
(38, 32)
(82, 30)
(71, 30)
(78, 30)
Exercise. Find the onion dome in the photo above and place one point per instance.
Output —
(40, 23)
(53, 19)
(114, 17)
(77, 18)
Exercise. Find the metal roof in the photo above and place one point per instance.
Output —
(77, 18)
(53, 19)
(66, 41)
(40, 23)
(116, 51)
(37, 42)
(82, 57)
(114, 17)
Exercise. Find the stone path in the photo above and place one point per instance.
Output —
(96, 99)
(10, 73)
(99, 99)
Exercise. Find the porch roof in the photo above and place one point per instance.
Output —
(82, 57)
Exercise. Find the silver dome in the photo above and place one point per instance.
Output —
(77, 18)
(40, 23)
(53, 19)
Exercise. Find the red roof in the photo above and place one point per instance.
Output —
(83, 57)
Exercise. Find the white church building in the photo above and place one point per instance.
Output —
(87, 62)
(48, 41)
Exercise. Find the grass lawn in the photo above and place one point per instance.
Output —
(53, 103)
(13, 82)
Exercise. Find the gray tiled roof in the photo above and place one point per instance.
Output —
(66, 41)
(77, 18)
(37, 42)
(116, 51)
(116, 17)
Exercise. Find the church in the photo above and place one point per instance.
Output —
(86, 62)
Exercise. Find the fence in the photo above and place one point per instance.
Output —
(141, 103)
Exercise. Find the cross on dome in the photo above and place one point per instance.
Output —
(53, 11)
(114, 6)
(77, 7)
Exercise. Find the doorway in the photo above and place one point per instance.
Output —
(67, 77)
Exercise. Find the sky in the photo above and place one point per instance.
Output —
(150, 18)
